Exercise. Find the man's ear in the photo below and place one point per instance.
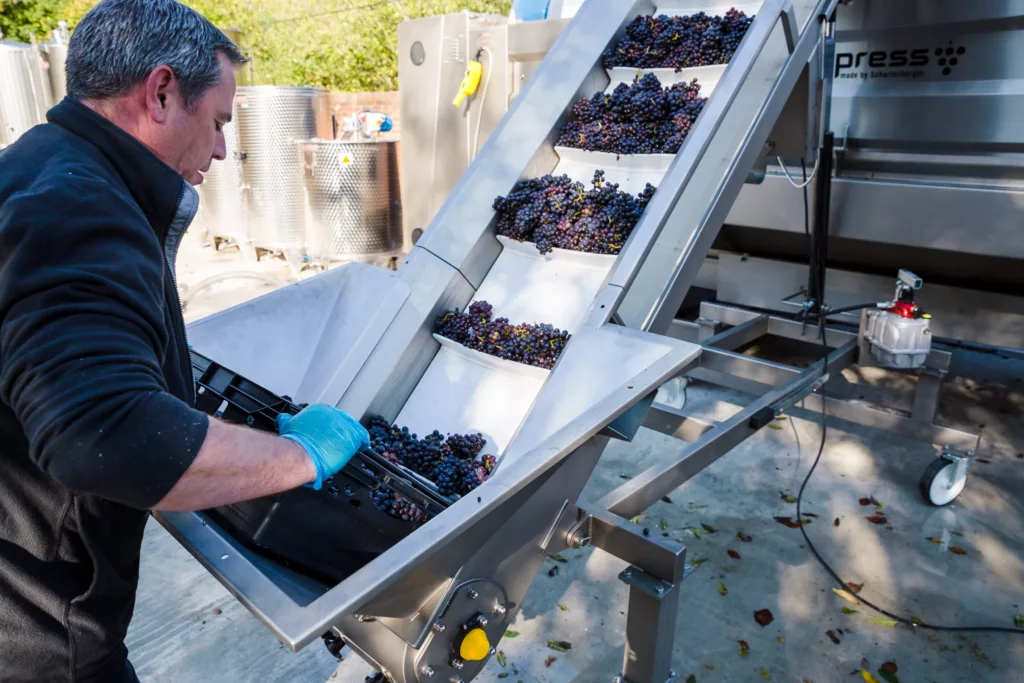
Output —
(161, 86)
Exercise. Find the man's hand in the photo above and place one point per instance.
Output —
(330, 437)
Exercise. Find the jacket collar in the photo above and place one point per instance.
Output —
(156, 187)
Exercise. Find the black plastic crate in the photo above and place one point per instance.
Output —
(329, 533)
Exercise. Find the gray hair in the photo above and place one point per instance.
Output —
(120, 42)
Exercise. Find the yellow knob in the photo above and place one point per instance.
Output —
(475, 646)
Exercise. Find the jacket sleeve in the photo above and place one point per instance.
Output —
(82, 337)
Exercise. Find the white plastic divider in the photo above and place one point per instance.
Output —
(557, 288)
(707, 76)
(631, 172)
(468, 392)
(684, 8)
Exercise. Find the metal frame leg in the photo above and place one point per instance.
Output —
(650, 628)
(926, 395)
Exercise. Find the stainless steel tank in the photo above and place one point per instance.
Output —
(271, 120)
(354, 195)
(56, 53)
(24, 90)
(223, 204)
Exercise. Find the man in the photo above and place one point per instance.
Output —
(97, 424)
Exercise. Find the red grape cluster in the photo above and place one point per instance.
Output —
(641, 118)
(538, 345)
(453, 463)
(558, 212)
(679, 42)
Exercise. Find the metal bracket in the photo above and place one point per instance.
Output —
(961, 460)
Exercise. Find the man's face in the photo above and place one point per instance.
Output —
(197, 136)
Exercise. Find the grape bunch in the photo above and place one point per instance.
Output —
(537, 345)
(558, 212)
(679, 42)
(396, 505)
(637, 118)
(453, 463)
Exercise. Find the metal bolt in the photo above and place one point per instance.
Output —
(672, 673)
(458, 679)
(458, 664)
(427, 670)
(618, 679)
(628, 573)
(250, 421)
(500, 610)
(492, 651)
(439, 627)
(472, 594)
(659, 590)
(482, 620)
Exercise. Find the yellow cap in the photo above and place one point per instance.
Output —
(475, 646)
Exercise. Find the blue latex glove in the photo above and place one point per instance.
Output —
(328, 435)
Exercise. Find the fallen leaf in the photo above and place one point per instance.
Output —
(890, 667)
(695, 506)
(850, 610)
(877, 519)
(216, 610)
(708, 528)
(625, 476)
(915, 621)
(790, 522)
(511, 634)
(501, 659)
(663, 524)
(882, 622)
(744, 648)
(691, 679)
(698, 562)
(709, 667)
(692, 530)
(832, 636)
(957, 550)
(854, 587)
(1018, 621)
(888, 527)
(550, 660)
(865, 501)
(888, 676)
(879, 506)
(733, 554)
(983, 461)
(666, 499)
(505, 674)
(957, 533)
(560, 645)
(864, 664)
(558, 558)
(665, 534)
(722, 590)
(764, 674)
(808, 514)
(553, 571)
(635, 520)
(868, 678)
(781, 639)
(744, 537)
(933, 539)
(845, 595)
(563, 608)
(788, 498)
(772, 425)
(979, 654)
(763, 617)
(781, 418)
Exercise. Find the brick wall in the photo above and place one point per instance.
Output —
(348, 103)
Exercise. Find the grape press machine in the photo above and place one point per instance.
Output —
(430, 602)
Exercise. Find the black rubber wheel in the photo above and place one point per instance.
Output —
(934, 484)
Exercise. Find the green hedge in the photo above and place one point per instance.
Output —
(348, 46)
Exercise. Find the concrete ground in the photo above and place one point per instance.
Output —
(188, 628)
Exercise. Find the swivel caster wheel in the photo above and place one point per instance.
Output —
(945, 478)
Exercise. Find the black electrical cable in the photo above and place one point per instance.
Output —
(821, 449)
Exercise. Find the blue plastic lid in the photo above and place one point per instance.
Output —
(531, 10)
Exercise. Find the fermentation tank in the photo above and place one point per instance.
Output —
(271, 120)
(24, 90)
(223, 205)
(56, 53)
(355, 210)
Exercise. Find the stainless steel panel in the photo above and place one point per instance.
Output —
(271, 120)
(223, 202)
(931, 75)
(56, 52)
(354, 205)
(438, 137)
(25, 93)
